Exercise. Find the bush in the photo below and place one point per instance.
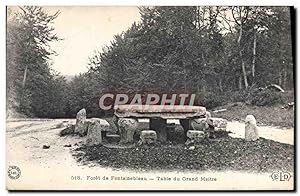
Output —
(212, 100)
(252, 96)
(287, 97)
(264, 97)
(238, 96)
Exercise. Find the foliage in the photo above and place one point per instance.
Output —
(33, 89)
(217, 53)
(265, 97)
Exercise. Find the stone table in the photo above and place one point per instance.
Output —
(126, 118)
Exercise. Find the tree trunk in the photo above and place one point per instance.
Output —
(280, 79)
(254, 54)
(241, 56)
(240, 83)
(285, 78)
(24, 77)
(220, 85)
(241, 18)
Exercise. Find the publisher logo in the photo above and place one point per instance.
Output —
(281, 176)
(14, 172)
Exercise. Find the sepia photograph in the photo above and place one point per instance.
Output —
(118, 98)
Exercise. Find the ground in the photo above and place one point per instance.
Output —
(225, 154)
(25, 140)
(67, 158)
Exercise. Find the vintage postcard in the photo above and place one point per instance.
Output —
(150, 98)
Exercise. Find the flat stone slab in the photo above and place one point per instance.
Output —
(160, 111)
(112, 137)
(193, 134)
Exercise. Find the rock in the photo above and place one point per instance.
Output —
(46, 146)
(194, 134)
(68, 145)
(94, 131)
(195, 137)
(113, 138)
(199, 124)
(251, 130)
(219, 124)
(114, 124)
(192, 148)
(101, 121)
(148, 137)
(80, 126)
(105, 126)
(208, 114)
(127, 128)
(85, 128)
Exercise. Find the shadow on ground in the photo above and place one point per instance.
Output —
(222, 154)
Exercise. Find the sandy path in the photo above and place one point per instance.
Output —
(25, 143)
(53, 168)
(283, 135)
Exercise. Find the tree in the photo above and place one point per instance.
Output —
(29, 76)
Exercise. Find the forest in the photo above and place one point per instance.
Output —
(221, 54)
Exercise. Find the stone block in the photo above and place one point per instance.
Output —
(218, 124)
(195, 137)
(199, 124)
(127, 128)
(251, 130)
(148, 137)
(94, 130)
(80, 126)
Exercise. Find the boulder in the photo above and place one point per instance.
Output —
(94, 135)
(195, 134)
(84, 129)
(103, 123)
(148, 137)
(251, 130)
(127, 128)
(195, 137)
(113, 122)
(96, 127)
(81, 126)
(105, 126)
(199, 124)
(218, 124)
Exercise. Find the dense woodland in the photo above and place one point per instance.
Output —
(222, 54)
